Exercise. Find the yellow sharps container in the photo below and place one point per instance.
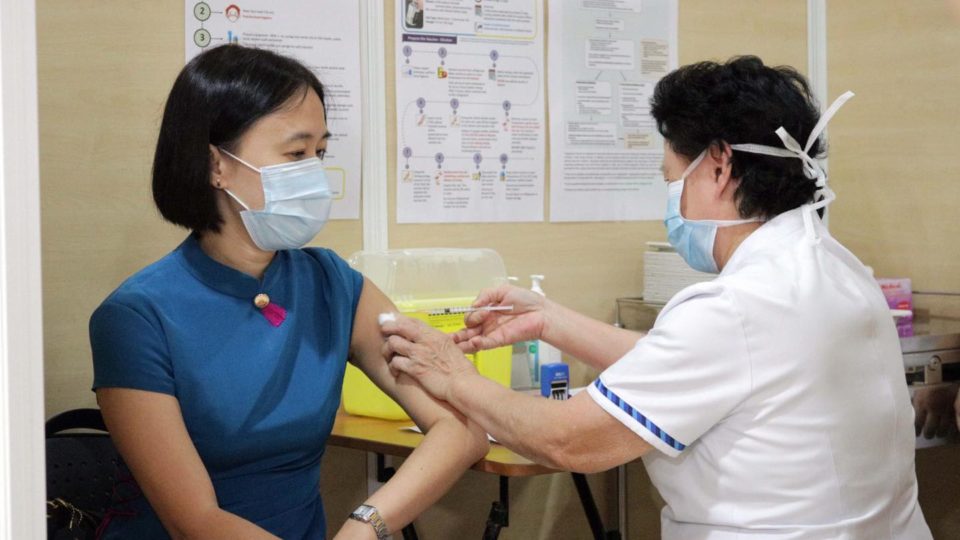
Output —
(424, 283)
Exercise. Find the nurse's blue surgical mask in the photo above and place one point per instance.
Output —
(693, 239)
(296, 204)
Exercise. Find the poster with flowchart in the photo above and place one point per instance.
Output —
(606, 57)
(328, 45)
(470, 111)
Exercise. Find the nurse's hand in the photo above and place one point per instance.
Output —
(424, 353)
(492, 329)
(935, 408)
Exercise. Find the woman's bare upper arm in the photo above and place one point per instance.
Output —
(148, 430)
(365, 353)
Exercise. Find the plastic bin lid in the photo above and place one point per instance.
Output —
(431, 273)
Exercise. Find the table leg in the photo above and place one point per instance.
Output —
(590, 509)
(622, 499)
(384, 474)
(499, 512)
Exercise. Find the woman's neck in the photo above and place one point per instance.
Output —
(233, 247)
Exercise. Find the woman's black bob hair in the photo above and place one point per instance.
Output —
(215, 99)
(742, 101)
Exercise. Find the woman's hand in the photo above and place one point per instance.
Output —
(492, 329)
(425, 354)
(356, 530)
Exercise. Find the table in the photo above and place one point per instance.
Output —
(386, 437)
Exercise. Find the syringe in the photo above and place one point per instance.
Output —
(384, 317)
(462, 309)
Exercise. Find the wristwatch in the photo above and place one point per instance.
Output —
(369, 514)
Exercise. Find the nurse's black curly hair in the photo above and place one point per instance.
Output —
(742, 101)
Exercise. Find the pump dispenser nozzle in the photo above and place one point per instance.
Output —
(536, 280)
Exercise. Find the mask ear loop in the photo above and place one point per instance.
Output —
(693, 165)
(249, 166)
(241, 203)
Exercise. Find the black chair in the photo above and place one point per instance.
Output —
(82, 472)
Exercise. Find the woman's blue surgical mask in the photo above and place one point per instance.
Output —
(296, 204)
(693, 239)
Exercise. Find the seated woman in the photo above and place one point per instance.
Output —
(219, 367)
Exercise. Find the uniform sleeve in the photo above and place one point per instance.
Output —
(688, 373)
(129, 351)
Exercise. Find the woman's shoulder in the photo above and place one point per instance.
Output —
(325, 256)
(328, 260)
(161, 277)
(334, 270)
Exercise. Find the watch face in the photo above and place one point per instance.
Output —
(365, 512)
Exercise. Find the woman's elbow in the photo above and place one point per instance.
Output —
(478, 443)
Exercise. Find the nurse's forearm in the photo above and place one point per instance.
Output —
(534, 427)
(595, 343)
(448, 449)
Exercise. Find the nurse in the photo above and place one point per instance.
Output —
(219, 367)
(767, 403)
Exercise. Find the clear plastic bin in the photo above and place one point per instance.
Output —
(418, 281)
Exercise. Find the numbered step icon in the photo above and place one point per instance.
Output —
(201, 37)
(201, 11)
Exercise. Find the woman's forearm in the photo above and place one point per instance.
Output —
(222, 525)
(595, 343)
(449, 448)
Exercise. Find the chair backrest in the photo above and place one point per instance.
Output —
(82, 468)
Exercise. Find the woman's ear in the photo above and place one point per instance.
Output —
(216, 168)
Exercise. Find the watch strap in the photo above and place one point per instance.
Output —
(369, 514)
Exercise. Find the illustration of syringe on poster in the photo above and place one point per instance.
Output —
(470, 111)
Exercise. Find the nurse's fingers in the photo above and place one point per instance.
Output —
(483, 343)
(393, 370)
(475, 319)
(396, 345)
(465, 334)
(493, 296)
(401, 364)
(467, 347)
(405, 327)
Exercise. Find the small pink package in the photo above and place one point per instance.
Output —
(899, 295)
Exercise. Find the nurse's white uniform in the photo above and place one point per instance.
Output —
(775, 398)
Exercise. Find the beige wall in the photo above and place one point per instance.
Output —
(105, 68)
(893, 166)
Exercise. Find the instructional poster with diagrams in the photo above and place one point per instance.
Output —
(470, 111)
(328, 44)
(605, 58)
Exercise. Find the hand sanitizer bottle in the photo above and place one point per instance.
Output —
(543, 352)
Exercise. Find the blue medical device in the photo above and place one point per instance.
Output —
(555, 380)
